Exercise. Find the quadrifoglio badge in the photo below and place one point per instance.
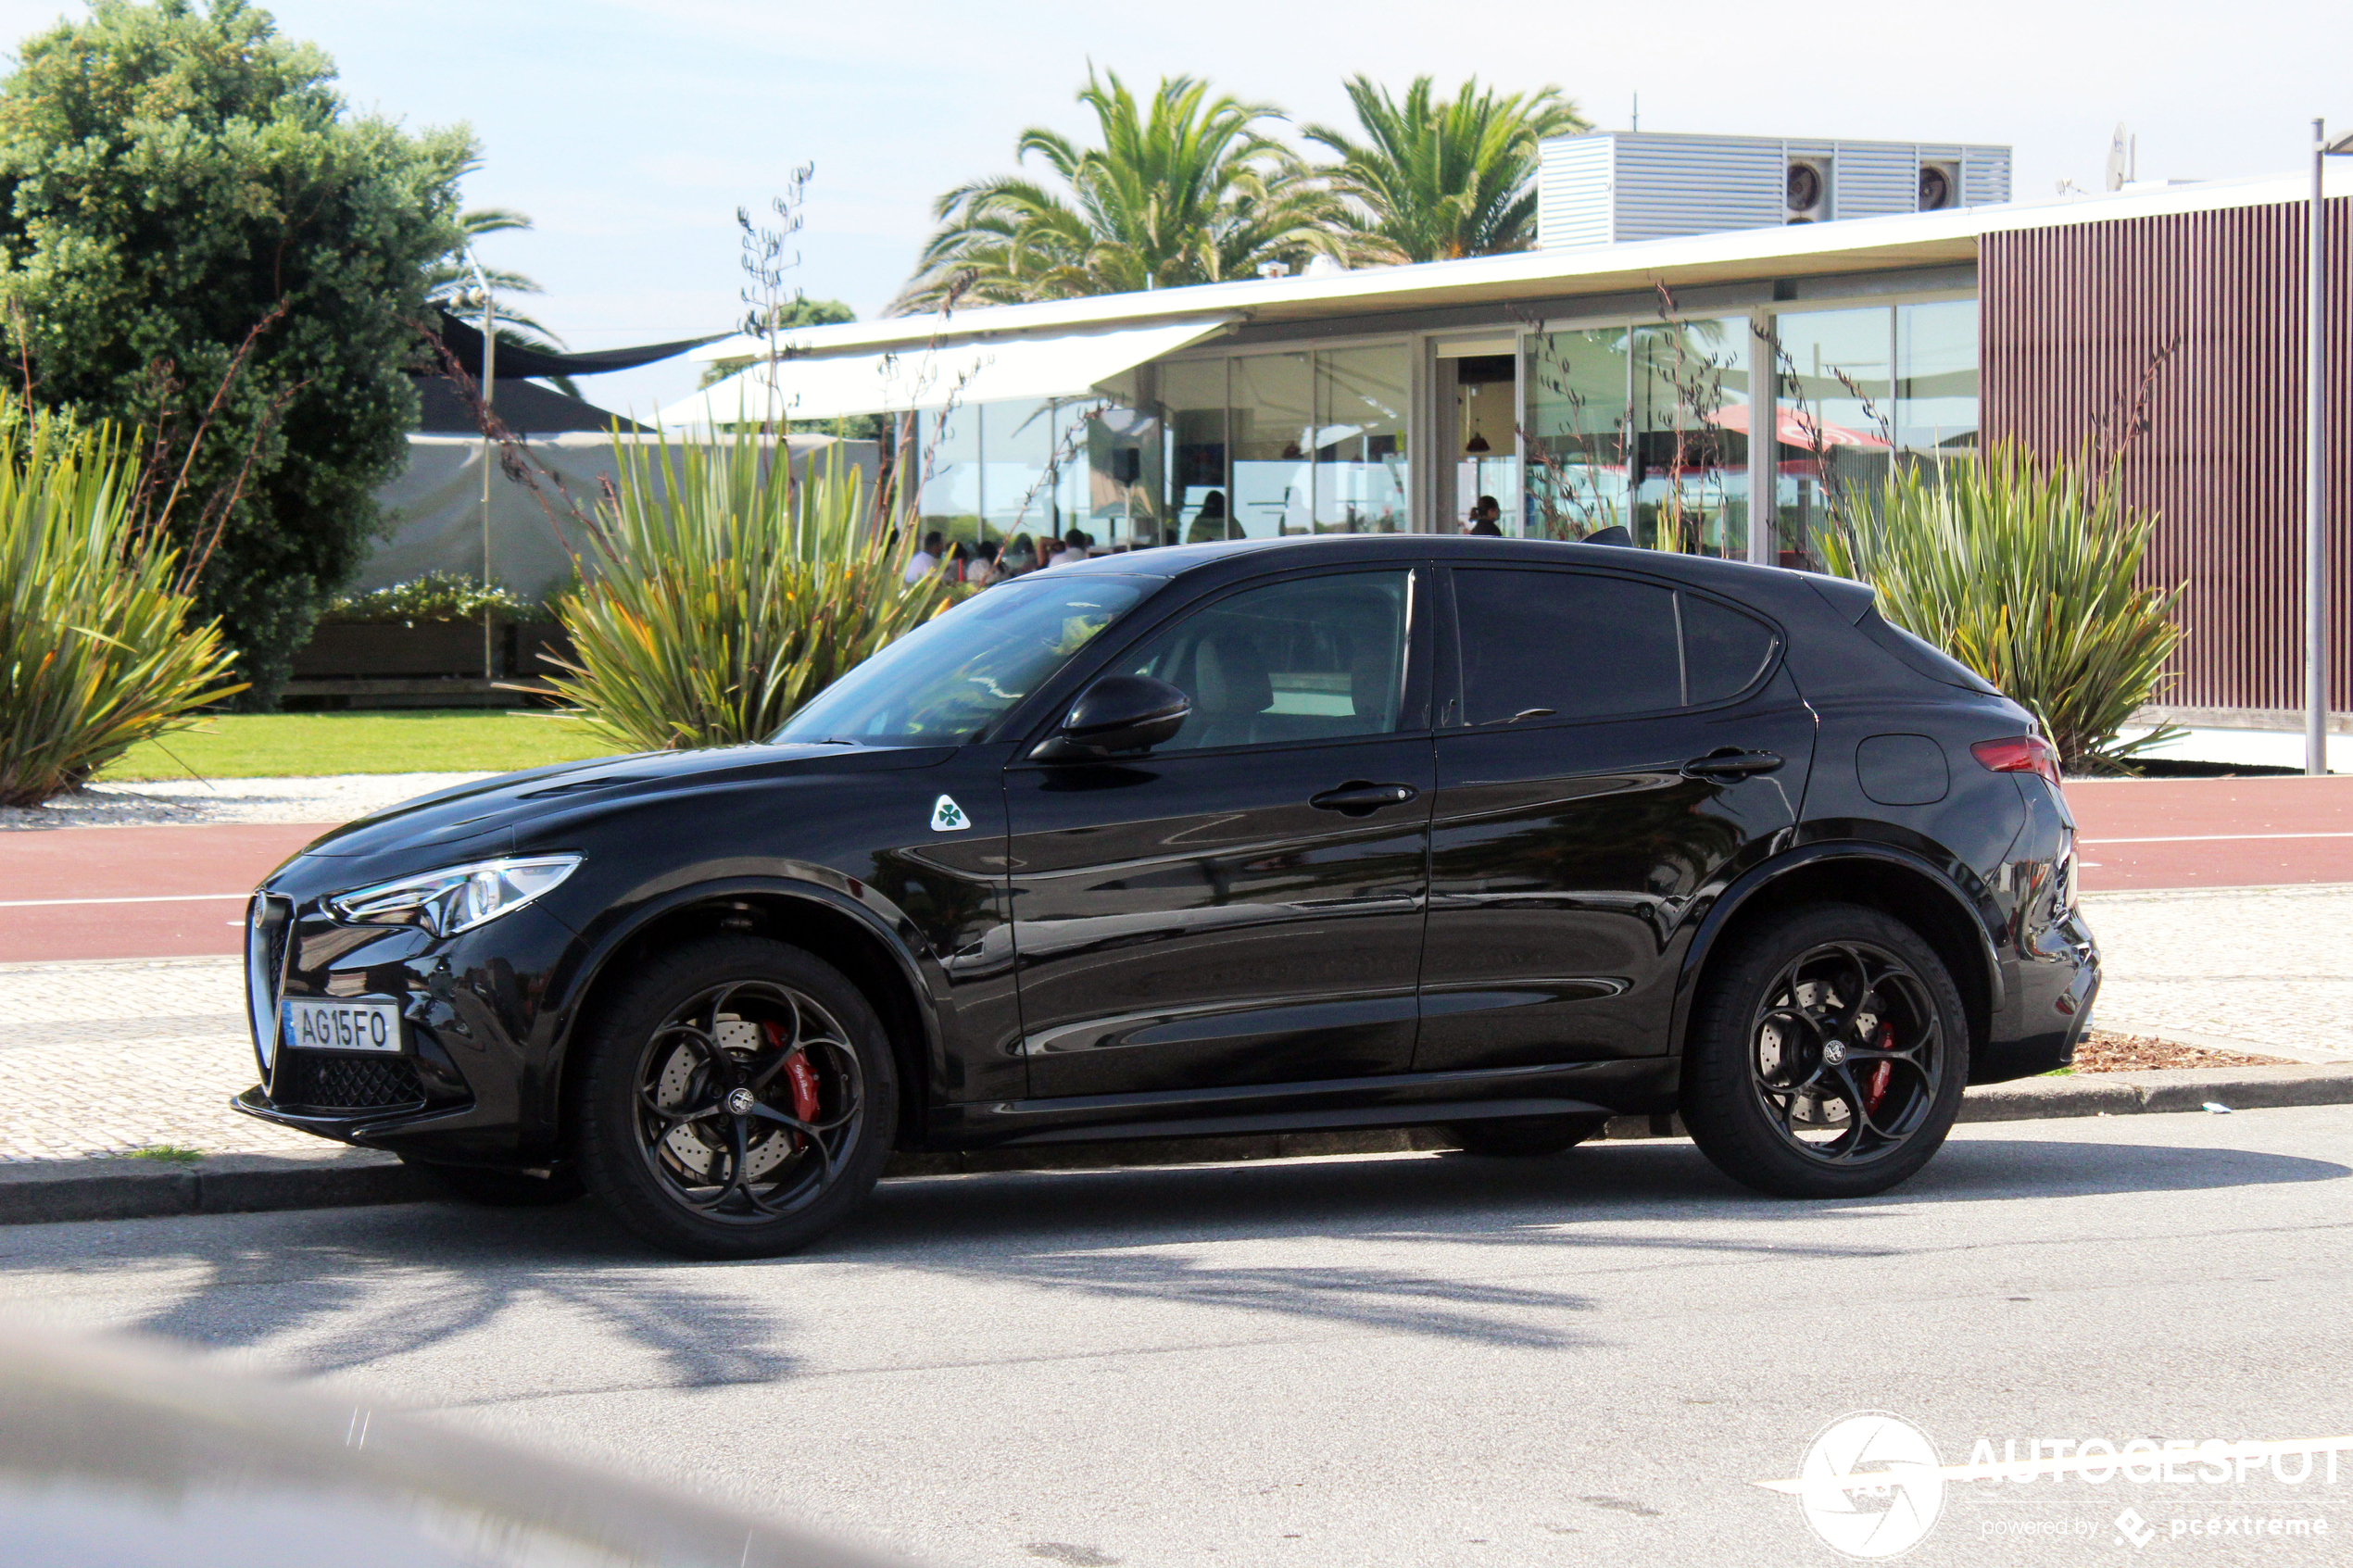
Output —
(1873, 1484)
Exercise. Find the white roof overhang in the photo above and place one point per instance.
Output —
(917, 376)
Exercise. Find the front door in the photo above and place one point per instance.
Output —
(1616, 744)
(1244, 906)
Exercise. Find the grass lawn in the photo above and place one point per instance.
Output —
(268, 745)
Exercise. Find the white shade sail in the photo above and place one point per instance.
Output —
(1006, 371)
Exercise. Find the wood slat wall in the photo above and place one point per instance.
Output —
(2202, 315)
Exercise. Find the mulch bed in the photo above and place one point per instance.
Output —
(2100, 1051)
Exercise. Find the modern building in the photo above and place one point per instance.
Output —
(1612, 380)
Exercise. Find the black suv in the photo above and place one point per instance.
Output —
(1501, 836)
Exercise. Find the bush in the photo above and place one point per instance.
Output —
(434, 595)
(96, 653)
(2027, 572)
(726, 595)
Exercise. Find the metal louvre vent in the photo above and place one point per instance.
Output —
(315, 1081)
(269, 926)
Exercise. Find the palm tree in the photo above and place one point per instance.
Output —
(1186, 188)
(451, 276)
(1442, 178)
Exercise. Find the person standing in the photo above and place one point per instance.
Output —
(1485, 519)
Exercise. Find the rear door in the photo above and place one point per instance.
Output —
(1609, 747)
(1244, 906)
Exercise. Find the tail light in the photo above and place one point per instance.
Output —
(2020, 754)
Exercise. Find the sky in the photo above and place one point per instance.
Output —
(632, 130)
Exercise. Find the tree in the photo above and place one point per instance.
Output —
(449, 280)
(197, 239)
(1184, 189)
(1440, 179)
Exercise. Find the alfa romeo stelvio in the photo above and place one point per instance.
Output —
(1505, 837)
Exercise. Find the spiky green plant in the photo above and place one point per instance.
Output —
(723, 594)
(98, 652)
(2028, 571)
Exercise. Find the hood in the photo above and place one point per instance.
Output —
(485, 817)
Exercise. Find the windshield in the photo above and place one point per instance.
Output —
(941, 683)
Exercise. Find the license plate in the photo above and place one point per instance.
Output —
(340, 1026)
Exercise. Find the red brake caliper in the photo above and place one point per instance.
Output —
(797, 1072)
(1885, 1070)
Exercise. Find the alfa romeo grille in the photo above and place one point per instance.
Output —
(269, 923)
(312, 1081)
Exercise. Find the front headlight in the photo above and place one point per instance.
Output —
(457, 899)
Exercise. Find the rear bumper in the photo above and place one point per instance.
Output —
(2056, 979)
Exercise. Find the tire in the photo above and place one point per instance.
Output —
(1522, 1137)
(1849, 1004)
(499, 1189)
(691, 1124)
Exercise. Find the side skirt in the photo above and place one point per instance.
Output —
(1404, 1100)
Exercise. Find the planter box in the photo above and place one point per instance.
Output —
(526, 641)
(426, 648)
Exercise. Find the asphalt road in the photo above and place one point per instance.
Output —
(1414, 1360)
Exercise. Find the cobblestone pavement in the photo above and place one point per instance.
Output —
(101, 1058)
(2268, 970)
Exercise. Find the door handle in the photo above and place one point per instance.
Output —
(1359, 798)
(1729, 763)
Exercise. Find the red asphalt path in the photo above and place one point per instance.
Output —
(146, 893)
(63, 890)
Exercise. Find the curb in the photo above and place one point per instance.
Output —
(38, 1192)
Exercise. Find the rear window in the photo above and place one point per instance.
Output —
(1561, 644)
(1922, 655)
(1724, 651)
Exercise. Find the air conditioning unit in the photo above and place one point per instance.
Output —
(1940, 184)
(1806, 191)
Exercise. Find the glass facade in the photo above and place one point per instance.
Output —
(1643, 424)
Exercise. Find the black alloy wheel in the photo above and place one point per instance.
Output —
(1827, 1055)
(738, 1100)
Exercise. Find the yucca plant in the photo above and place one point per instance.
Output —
(2028, 571)
(96, 648)
(722, 594)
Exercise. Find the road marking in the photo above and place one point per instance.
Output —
(157, 898)
(2217, 838)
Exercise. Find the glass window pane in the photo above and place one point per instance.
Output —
(1486, 447)
(1836, 394)
(1936, 378)
(1121, 460)
(1271, 425)
(940, 682)
(1723, 650)
(1690, 459)
(1360, 440)
(1015, 440)
(1577, 420)
(1312, 659)
(1192, 400)
(948, 464)
(1561, 644)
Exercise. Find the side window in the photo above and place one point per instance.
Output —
(1723, 650)
(1544, 644)
(1311, 659)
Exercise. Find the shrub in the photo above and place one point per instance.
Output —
(725, 595)
(96, 652)
(2027, 572)
(432, 596)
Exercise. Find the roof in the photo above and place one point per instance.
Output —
(519, 405)
(1912, 240)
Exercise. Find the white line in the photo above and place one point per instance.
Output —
(159, 899)
(2217, 838)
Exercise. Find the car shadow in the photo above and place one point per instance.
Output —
(307, 1285)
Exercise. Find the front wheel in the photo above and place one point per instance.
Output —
(737, 1099)
(1827, 1055)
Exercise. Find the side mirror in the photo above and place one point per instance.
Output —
(1119, 715)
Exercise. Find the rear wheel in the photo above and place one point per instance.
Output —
(737, 1099)
(1523, 1137)
(1827, 1055)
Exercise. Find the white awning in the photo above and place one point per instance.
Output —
(1007, 370)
